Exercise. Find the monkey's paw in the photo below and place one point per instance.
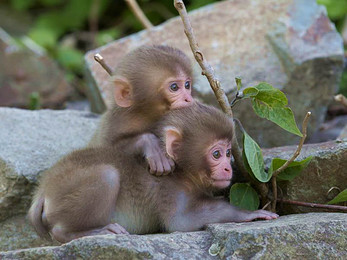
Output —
(114, 228)
(160, 164)
(263, 214)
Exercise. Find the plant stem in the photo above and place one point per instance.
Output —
(101, 61)
(313, 205)
(135, 8)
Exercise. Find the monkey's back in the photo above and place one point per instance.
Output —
(143, 198)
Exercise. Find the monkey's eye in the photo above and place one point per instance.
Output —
(229, 153)
(174, 87)
(187, 85)
(216, 154)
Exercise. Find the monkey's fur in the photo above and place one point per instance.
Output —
(88, 190)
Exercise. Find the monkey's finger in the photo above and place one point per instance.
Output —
(166, 165)
(116, 228)
(268, 213)
(160, 167)
(152, 165)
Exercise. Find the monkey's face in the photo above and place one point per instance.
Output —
(218, 158)
(178, 90)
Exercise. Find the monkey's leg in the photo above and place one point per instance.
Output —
(207, 211)
(83, 203)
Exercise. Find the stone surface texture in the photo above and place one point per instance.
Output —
(290, 44)
(327, 169)
(303, 236)
(31, 142)
(23, 72)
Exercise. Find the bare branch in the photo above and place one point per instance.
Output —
(222, 99)
(313, 205)
(342, 99)
(101, 61)
(135, 8)
(298, 150)
(207, 70)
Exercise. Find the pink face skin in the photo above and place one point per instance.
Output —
(218, 157)
(178, 90)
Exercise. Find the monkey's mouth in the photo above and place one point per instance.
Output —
(221, 182)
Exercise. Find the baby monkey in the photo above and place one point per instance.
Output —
(101, 191)
(147, 83)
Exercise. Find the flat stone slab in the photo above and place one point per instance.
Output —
(302, 236)
(327, 169)
(31, 142)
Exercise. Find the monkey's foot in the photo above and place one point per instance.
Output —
(113, 228)
(262, 214)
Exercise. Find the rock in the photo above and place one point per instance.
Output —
(304, 236)
(327, 169)
(17, 233)
(31, 142)
(24, 73)
(343, 134)
(322, 235)
(289, 43)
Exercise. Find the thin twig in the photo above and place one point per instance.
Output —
(313, 205)
(342, 99)
(298, 150)
(286, 164)
(135, 8)
(208, 71)
(101, 61)
(266, 205)
(93, 21)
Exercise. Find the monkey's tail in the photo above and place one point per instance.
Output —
(35, 216)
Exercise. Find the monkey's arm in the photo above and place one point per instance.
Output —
(148, 146)
(200, 212)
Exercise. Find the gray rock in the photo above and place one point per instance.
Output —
(327, 169)
(343, 134)
(305, 236)
(289, 43)
(17, 233)
(24, 71)
(31, 142)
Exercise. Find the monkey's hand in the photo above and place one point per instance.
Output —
(159, 163)
(261, 214)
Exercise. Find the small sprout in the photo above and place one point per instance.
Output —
(214, 249)
(34, 101)
(238, 83)
(239, 94)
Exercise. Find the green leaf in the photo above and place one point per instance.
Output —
(34, 101)
(244, 196)
(44, 37)
(70, 58)
(341, 197)
(271, 103)
(293, 169)
(282, 116)
(254, 158)
(250, 92)
(238, 83)
(270, 95)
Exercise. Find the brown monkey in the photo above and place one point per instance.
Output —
(148, 82)
(101, 191)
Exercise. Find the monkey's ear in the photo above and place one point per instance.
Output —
(173, 139)
(122, 92)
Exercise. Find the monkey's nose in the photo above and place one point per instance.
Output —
(188, 99)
